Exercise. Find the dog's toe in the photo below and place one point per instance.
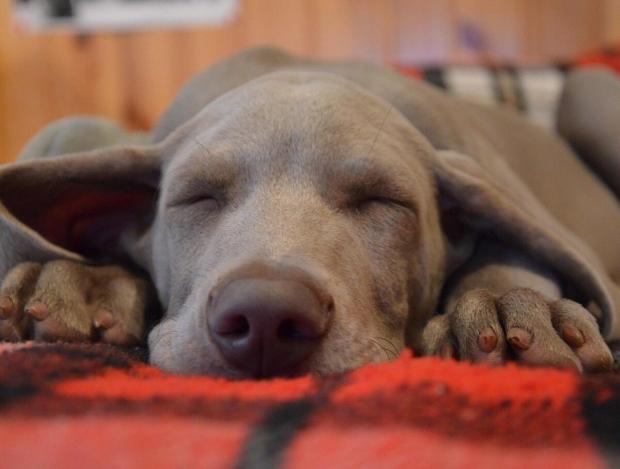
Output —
(53, 329)
(578, 328)
(477, 329)
(526, 319)
(113, 330)
(437, 338)
(15, 291)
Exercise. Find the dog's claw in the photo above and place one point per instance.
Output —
(572, 336)
(519, 338)
(38, 310)
(104, 319)
(6, 307)
(487, 340)
(600, 362)
(447, 351)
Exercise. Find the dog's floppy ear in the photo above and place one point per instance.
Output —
(497, 202)
(75, 206)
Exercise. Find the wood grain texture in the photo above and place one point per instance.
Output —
(131, 77)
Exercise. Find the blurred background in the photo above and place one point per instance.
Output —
(130, 70)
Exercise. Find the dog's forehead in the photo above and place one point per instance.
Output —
(306, 113)
(315, 92)
(295, 103)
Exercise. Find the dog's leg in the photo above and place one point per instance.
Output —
(78, 134)
(504, 306)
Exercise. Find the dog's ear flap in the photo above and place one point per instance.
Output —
(77, 205)
(496, 202)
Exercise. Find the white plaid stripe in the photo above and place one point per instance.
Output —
(540, 89)
(471, 83)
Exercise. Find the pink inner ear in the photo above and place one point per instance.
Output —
(89, 220)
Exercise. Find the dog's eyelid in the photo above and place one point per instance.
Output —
(383, 192)
(205, 192)
(387, 201)
(366, 180)
(191, 200)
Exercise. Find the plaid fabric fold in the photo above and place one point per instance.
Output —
(533, 91)
(96, 406)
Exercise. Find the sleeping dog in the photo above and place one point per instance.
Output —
(296, 216)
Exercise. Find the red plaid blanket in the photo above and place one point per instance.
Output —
(96, 406)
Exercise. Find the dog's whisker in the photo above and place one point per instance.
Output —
(382, 348)
(394, 349)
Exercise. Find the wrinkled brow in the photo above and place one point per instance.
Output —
(202, 168)
(362, 177)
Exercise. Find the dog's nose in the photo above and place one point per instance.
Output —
(269, 327)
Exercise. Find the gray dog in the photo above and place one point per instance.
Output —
(298, 216)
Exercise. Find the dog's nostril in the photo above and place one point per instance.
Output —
(290, 329)
(234, 326)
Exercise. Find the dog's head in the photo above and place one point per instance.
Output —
(297, 223)
(297, 229)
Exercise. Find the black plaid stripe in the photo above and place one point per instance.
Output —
(601, 413)
(511, 88)
(30, 371)
(268, 442)
(531, 91)
(435, 76)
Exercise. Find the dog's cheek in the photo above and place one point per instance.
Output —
(160, 342)
(358, 336)
(180, 258)
(160, 265)
(172, 352)
(349, 348)
(181, 344)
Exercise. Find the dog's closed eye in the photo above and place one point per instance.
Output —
(204, 200)
(370, 201)
(208, 195)
(367, 186)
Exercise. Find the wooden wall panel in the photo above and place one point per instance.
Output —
(611, 15)
(566, 27)
(424, 30)
(131, 77)
(497, 26)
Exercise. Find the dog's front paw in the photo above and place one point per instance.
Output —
(69, 301)
(521, 325)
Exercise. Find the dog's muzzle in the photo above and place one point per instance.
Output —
(268, 326)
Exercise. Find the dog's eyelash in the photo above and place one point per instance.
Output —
(377, 199)
(368, 202)
(189, 201)
(386, 346)
(200, 198)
